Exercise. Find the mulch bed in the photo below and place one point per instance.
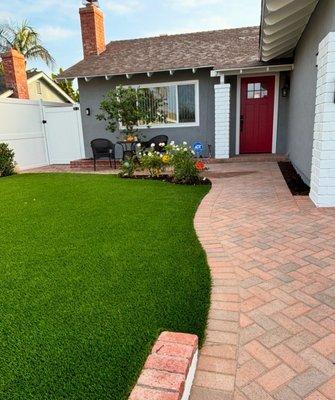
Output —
(293, 180)
(168, 178)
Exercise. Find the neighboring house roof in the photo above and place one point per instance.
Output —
(282, 25)
(32, 76)
(227, 48)
(4, 91)
(33, 72)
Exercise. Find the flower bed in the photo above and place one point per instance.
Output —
(174, 163)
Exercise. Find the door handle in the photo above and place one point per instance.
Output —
(241, 123)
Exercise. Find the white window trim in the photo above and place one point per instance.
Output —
(178, 124)
(275, 110)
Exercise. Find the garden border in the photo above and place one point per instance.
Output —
(170, 368)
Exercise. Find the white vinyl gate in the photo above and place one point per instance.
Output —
(41, 133)
(63, 132)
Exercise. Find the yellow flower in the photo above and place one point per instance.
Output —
(166, 159)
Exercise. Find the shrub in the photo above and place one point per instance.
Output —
(152, 161)
(7, 164)
(128, 167)
(184, 165)
(185, 171)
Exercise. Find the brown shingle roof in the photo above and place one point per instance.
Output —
(227, 48)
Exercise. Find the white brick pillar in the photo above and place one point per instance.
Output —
(323, 159)
(222, 111)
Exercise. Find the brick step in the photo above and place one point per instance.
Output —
(255, 158)
(87, 163)
(247, 158)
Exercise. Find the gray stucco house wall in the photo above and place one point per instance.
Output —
(303, 88)
(92, 92)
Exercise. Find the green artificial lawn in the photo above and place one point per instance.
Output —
(92, 269)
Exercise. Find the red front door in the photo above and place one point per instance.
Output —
(256, 120)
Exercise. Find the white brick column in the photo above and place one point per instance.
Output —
(323, 159)
(222, 111)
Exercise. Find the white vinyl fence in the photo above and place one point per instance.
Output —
(41, 133)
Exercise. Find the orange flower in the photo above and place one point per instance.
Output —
(200, 165)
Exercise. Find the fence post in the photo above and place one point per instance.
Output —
(80, 131)
(44, 130)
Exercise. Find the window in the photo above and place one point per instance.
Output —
(179, 103)
(168, 107)
(186, 103)
(256, 90)
(38, 88)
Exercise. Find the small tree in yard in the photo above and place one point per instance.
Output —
(130, 108)
(7, 164)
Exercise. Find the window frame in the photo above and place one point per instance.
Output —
(255, 90)
(172, 83)
(38, 87)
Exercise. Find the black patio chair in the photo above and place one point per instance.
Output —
(156, 140)
(103, 148)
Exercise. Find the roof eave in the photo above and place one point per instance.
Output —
(282, 24)
(149, 73)
(252, 70)
(6, 94)
(42, 75)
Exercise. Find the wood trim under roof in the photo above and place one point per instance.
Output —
(282, 24)
(261, 69)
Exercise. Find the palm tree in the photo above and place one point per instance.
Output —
(25, 40)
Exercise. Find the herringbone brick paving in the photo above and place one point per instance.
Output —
(271, 326)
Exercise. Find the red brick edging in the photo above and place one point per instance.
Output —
(169, 370)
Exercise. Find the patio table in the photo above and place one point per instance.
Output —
(128, 148)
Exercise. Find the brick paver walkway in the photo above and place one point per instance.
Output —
(271, 328)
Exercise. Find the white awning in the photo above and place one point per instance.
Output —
(261, 69)
(283, 22)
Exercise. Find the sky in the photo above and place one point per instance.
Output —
(57, 21)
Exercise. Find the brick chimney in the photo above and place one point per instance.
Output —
(14, 65)
(92, 30)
